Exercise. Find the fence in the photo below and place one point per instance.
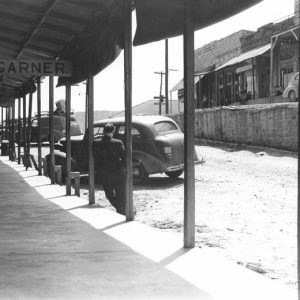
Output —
(269, 125)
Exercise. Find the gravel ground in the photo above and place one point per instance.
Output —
(246, 206)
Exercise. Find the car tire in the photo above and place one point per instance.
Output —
(292, 96)
(139, 174)
(174, 174)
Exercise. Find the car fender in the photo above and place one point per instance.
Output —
(57, 135)
(151, 163)
(60, 158)
(286, 92)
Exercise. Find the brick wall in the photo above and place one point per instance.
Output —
(297, 14)
(269, 125)
(218, 52)
(263, 34)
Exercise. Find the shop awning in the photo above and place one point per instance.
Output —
(160, 19)
(90, 33)
(247, 55)
(179, 85)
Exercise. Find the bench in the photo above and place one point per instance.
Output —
(76, 176)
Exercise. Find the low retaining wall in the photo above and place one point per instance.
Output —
(269, 125)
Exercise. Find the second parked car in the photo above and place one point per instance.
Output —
(292, 90)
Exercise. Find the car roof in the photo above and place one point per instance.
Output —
(140, 120)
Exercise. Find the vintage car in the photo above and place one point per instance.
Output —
(59, 126)
(157, 146)
(292, 90)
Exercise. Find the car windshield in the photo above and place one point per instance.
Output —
(165, 126)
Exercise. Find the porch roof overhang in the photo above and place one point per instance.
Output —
(245, 56)
(90, 33)
(179, 85)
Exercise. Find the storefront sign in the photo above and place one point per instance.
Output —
(243, 69)
(36, 68)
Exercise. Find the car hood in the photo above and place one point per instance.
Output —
(73, 138)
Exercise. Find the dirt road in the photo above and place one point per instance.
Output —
(246, 206)
(246, 200)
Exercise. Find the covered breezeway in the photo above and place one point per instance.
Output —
(75, 40)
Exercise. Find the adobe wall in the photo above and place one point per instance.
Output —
(269, 125)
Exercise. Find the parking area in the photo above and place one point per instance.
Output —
(59, 247)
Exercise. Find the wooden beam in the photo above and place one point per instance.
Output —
(51, 130)
(37, 27)
(16, 18)
(39, 125)
(68, 137)
(70, 18)
(62, 30)
(23, 5)
(189, 130)
(128, 115)
(90, 83)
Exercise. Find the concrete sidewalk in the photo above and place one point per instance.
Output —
(58, 247)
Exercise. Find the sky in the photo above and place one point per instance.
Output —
(150, 58)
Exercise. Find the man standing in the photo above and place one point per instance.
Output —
(109, 154)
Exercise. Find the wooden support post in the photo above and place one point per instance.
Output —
(199, 93)
(128, 115)
(253, 78)
(189, 130)
(6, 123)
(39, 126)
(90, 83)
(9, 132)
(68, 138)
(51, 131)
(44, 166)
(29, 123)
(24, 133)
(19, 131)
(13, 121)
(2, 129)
(273, 44)
(57, 174)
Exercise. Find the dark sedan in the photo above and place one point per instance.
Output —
(157, 146)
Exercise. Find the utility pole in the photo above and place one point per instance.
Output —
(167, 75)
(160, 97)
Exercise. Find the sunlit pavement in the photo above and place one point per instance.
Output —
(57, 247)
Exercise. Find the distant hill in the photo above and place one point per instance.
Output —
(98, 115)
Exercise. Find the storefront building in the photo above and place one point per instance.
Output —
(247, 65)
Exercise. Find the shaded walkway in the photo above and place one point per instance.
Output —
(58, 247)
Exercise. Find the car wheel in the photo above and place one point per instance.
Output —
(292, 96)
(174, 174)
(139, 174)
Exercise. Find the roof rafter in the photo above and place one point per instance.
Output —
(49, 6)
